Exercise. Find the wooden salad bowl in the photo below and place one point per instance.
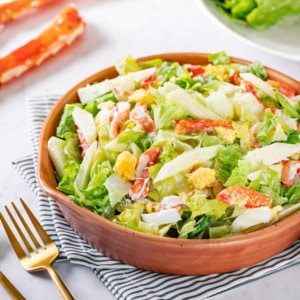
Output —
(154, 253)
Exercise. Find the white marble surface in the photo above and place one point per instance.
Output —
(115, 28)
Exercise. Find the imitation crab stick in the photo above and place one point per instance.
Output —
(141, 185)
(12, 10)
(64, 29)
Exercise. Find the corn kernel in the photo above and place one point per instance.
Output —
(219, 71)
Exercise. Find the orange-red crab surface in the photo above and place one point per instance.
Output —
(63, 30)
(9, 11)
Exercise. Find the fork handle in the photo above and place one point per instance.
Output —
(59, 284)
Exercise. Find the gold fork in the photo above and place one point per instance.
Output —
(10, 288)
(42, 255)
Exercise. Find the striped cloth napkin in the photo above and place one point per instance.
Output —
(123, 281)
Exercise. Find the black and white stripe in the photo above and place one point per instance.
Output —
(126, 282)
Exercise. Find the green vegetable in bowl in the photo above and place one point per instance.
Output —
(182, 150)
(259, 14)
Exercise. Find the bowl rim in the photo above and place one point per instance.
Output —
(111, 72)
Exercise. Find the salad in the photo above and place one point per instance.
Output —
(184, 151)
(259, 14)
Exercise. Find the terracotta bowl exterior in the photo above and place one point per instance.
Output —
(162, 254)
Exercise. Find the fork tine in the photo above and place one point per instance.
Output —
(42, 233)
(13, 240)
(38, 260)
(33, 238)
(19, 230)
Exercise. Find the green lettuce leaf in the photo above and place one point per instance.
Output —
(167, 153)
(239, 174)
(72, 149)
(257, 69)
(66, 185)
(287, 105)
(171, 70)
(66, 125)
(155, 62)
(259, 14)
(226, 160)
(92, 105)
(201, 225)
(269, 12)
(292, 193)
(165, 114)
(164, 188)
(216, 232)
(141, 139)
(131, 215)
(219, 58)
(293, 136)
(95, 196)
(267, 128)
(127, 64)
(268, 182)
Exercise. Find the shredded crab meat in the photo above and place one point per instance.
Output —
(120, 114)
(290, 172)
(172, 201)
(140, 114)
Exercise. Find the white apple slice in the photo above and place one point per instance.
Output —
(58, 157)
(90, 92)
(167, 216)
(191, 105)
(85, 122)
(83, 174)
(117, 188)
(251, 217)
(186, 160)
(220, 104)
(259, 83)
(271, 154)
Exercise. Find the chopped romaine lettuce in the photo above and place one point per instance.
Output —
(239, 174)
(219, 58)
(259, 14)
(226, 161)
(121, 153)
(66, 125)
